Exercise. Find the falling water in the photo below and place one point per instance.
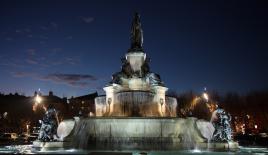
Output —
(81, 135)
(188, 139)
(133, 133)
(135, 104)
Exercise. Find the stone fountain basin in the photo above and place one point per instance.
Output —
(137, 133)
(141, 133)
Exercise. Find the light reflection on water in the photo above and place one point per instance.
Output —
(28, 149)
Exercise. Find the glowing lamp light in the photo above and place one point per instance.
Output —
(205, 96)
(5, 115)
(38, 99)
(255, 126)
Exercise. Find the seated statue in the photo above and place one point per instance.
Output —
(49, 124)
(116, 78)
(154, 79)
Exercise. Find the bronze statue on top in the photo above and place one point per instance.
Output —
(136, 33)
(127, 72)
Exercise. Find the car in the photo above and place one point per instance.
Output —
(8, 137)
(264, 135)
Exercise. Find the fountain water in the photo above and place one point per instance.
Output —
(137, 133)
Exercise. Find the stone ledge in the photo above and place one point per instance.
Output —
(39, 144)
(231, 146)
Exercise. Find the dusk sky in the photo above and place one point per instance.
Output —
(73, 47)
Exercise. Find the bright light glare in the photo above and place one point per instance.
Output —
(38, 99)
(205, 95)
(196, 151)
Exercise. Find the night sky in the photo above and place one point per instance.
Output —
(73, 47)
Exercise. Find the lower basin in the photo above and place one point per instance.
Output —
(28, 149)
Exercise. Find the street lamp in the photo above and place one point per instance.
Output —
(38, 99)
(255, 126)
(205, 96)
(27, 127)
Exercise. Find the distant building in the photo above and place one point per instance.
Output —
(82, 105)
(15, 112)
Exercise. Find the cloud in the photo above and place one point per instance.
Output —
(22, 74)
(31, 51)
(74, 80)
(9, 39)
(69, 37)
(71, 61)
(54, 25)
(43, 37)
(42, 42)
(31, 61)
(56, 50)
(44, 27)
(28, 30)
(87, 19)
(11, 62)
(49, 26)
(69, 77)
(18, 31)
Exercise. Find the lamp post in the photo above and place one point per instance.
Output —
(27, 129)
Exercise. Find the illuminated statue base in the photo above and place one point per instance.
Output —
(135, 103)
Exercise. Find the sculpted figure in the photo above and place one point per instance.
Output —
(136, 33)
(221, 122)
(49, 124)
(154, 79)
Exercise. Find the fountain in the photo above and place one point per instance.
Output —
(136, 114)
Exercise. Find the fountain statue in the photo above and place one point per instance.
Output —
(135, 112)
(136, 33)
(49, 125)
(135, 90)
(221, 122)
